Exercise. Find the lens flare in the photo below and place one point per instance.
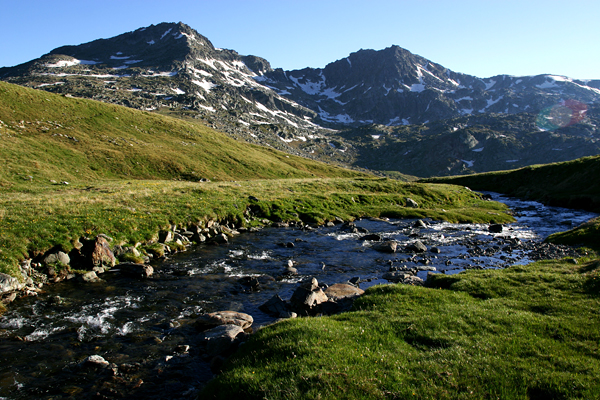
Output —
(565, 113)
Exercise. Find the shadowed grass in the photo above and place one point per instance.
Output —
(572, 184)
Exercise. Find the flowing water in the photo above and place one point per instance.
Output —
(141, 325)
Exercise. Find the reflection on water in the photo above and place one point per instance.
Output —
(140, 322)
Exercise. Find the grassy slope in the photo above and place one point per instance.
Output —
(50, 137)
(527, 332)
(573, 184)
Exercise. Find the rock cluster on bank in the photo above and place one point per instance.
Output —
(91, 257)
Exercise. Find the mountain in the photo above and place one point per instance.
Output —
(332, 114)
(396, 87)
(171, 68)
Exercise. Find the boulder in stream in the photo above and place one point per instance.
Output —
(496, 228)
(277, 307)
(134, 270)
(211, 320)
(417, 247)
(389, 246)
(307, 296)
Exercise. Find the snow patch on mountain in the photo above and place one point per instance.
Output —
(166, 33)
(204, 84)
(70, 63)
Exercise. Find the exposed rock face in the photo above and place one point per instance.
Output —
(95, 253)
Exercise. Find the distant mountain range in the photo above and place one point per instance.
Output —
(387, 110)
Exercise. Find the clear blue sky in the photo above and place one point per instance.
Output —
(482, 38)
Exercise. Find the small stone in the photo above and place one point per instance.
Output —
(411, 203)
(90, 277)
(182, 349)
(496, 228)
(95, 361)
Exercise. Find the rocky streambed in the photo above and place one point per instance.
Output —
(135, 334)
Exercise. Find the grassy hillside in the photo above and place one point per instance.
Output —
(574, 184)
(46, 137)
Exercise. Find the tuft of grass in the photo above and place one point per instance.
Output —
(521, 333)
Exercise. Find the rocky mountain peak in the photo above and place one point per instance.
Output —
(156, 45)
